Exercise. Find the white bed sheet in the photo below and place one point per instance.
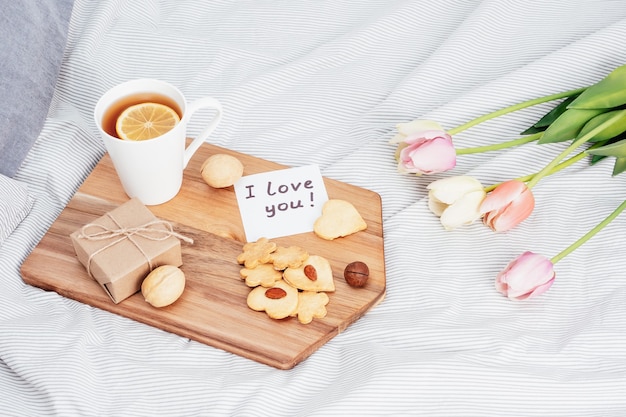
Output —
(326, 82)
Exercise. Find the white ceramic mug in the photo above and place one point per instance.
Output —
(152, 169)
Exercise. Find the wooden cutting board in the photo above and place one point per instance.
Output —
(213, 309)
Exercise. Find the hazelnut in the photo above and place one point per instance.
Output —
(163, 286)
(356, 274)
(221, 170)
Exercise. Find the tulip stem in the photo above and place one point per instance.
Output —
(513, 108)
(590, 233)
(547, 170)
(498, 146)
(557, 168)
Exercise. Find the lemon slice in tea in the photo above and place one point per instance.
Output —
(145, 121)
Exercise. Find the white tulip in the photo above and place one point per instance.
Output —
(456, 200)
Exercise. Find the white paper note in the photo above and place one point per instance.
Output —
(280, 203)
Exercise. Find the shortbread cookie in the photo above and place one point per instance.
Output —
(291, 257)
(339, 218)
(311, 305)
(255, 253)
(278, 301)
(262, 274)
(221, 170)
(315, 274)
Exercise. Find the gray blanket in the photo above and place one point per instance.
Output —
(33, 35)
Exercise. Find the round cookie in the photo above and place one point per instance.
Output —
(221, 170)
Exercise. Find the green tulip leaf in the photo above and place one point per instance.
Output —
(620, 166)
(607, 93)
(617, 149)
(568, 125)
(550, 117)
(532, 130)
(613, 130)
(596, 158)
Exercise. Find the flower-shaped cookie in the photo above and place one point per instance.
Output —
(291, 257)
(311, 305)
(278, 301)
(255, 253)
(262, 274)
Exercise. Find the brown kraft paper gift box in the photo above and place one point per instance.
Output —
(120, 248)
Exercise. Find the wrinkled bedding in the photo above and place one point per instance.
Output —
(326, 82)
(33, 36)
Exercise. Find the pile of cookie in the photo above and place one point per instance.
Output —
(286, 281)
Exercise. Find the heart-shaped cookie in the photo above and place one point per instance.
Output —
(278, 301)
(315, 274)
(339, 218)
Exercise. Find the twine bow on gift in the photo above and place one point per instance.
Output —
(145, 231)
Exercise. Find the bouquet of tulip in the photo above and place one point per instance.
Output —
(592, 118)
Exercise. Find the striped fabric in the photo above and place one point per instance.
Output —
(15, 204)
(326, 82)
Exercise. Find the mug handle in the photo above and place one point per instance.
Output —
(201, 103)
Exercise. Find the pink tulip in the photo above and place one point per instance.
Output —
(507, 206)
(424, 148)
(430, 153)
(526, 276)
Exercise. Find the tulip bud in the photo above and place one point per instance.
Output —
(456, 200)
(424, 148)
(528, 275)
(507, 206)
